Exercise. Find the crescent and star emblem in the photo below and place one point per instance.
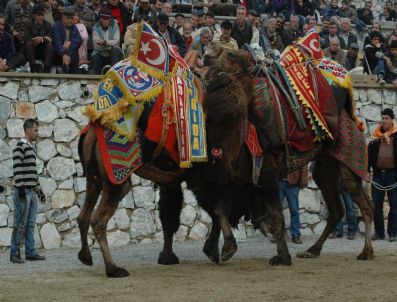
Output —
(145, 48)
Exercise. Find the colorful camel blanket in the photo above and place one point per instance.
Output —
(154, 72)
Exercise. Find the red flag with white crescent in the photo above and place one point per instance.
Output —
(311, 43)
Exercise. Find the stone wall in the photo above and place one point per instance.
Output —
(57, 104)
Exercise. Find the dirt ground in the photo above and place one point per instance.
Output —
(331, 277)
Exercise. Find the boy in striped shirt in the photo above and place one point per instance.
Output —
(25, 195)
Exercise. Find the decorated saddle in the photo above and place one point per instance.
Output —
(153, 78)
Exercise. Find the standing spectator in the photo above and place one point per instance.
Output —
(106, 39)
(38, 42)
(171, 35)
(333, 33)
(352, 60)
(348, 12)
(242, 29)
(144, 8)
(7, 48)
(120, 13)
(382, 158)
(289, 188)
(346, 34)
(24, 195)
(223, 37)
(332, 10)
(335, 52)
(270, 33)
(187, 34)
(365, 15)
(83, 50)
(66, 41)
(350, 210)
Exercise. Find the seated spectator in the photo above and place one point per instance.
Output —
(393, 60)
(187, 34)
(79, 4)
(121, 15)
(210, 22)
(375, 28)
(48, 12)
(38, 42)
(242, 29)
(385, 15)
(57, 9)
(335, 52)
(332, 9)
(333, 33)
(166, 8)
(106, 39)
(392, 37)
(364, 15)
(129, 37)
(199, 44)
(18, 12)
(293, 33)
(89, 16)
(352, 60)
(179, 21)
(144, 8)
(253, 19)
(223, 37)
(130, 6)
(304, 8)
(83, 50)
(324, 33)
(393, 13)
(280, 7)
(312, 23)
(270, 33)
(305, 29)
(7, 48)
(171, 35)
(346, 34)
(375, 59)
(260, 6)
(346, 11)
(66, 41)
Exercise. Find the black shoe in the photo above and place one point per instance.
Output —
(15, 259)
(335, 235)
(35, 257)
(392, 238)
(377, 237)
(351, 235)
(297, 240)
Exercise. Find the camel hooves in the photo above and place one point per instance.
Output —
(306, 255)
(228, 250)
(167, 259)
(366, 256)
(117, 272)
(278, 260)
(85, 259)
(212, 252)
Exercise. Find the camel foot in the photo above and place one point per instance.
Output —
(117, 272)
(85, 258)
(306, 255)
(279, 260)
(167, 258)
(366, 255)
(228, 249)
(211, 251)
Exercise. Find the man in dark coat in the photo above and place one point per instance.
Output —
(7, 48)
(170, 34)
(242, 29)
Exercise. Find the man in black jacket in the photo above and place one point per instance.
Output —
(382, 159)
(38, 41)
(242, 29)
(170, 34)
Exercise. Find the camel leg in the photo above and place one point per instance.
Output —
(92, 194)
(326, 174)
(229, 245)
(170, 206)
(211, 245)
(112, 194)
(353, 186)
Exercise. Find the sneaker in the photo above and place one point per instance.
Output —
(381, 80)
(297, 240)
(15, 259)
(35, 257)
(351, 235)
(377, 237)
(392, 238)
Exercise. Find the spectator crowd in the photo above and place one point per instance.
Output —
(88, 36)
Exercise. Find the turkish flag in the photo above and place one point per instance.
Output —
(311, 43)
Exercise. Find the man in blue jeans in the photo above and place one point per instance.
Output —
(26, 187)
(350, 210)
(289, 188)
(382, 159)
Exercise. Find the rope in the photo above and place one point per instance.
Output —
(384, 188)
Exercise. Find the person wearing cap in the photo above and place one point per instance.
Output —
(179, 20)
(352, 60)
(66, 41)
(241, 29)
(170, 34)
(270, 33)
(293, 33)
(223, 37)
(38, 41)
(346, 34)
(106, 39)
(144, 8)
(382, 164)
(253, 19)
